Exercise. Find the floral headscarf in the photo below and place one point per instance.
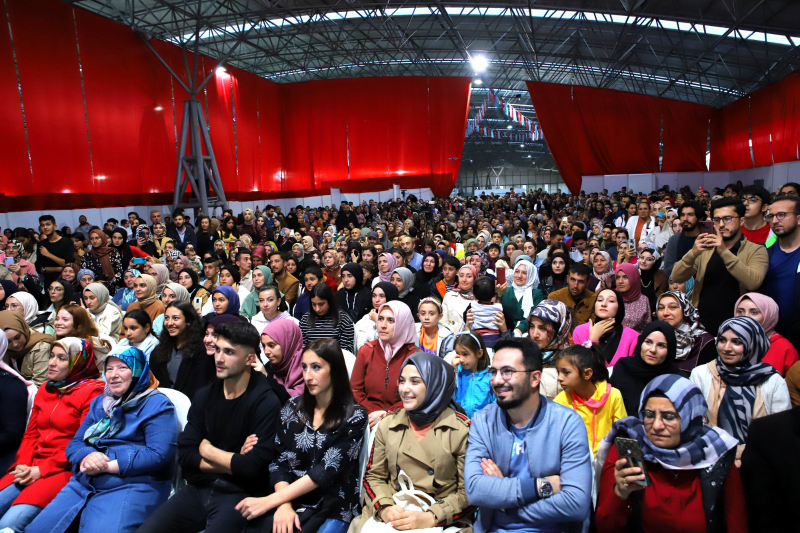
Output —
(559, 317)
(82, 366)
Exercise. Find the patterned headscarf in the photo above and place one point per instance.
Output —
(128, 296)
(83, 272)
(689, 329)
(486, 263)
(143, 384)
(742, 378)
(559, 317)
(701, 446)
(82, 366)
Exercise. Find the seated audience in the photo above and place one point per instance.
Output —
(353, 297)
(763, 309)
(144, 287)
(549, 328)
(545, 483)
(427, 440)
(261, 277)
(471, 362)
(366, 329)
(228, 444)
(16, 399)
(125, 294)
(434, 337)
(28, 351)
(637, 306)
(105, 313)
(272, 307)
(326, 321)
(137, 331)
(689, 465)
(378, 362)
(282, 342)
(41, 469)
(457, 301)
(576, 296)
(583, 377)
(738, 386)
(314, 490)
(121, 455)
(615, 339)
(694, 346)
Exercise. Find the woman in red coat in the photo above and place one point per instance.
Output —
(41, 468)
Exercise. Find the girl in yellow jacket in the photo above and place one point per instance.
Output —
(583, 375)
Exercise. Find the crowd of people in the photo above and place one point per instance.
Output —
(528, 362)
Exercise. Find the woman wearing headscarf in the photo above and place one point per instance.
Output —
(262, 276)
(190, 281)
(403, 279)
(653, 356)
(282, 341)
(119, 241)
(28, 351)
(366, 329)
(16, 399)
(161, 276)
(739, 386)
(125, 295)
(693, 486)
(378, 362)
(7, 288)
(308, 244)
(25, 305)
(103, 260)
(608, 329)
(180, 264)
(549, 325)
(602, 272)
(386, 265)
(763, 309)
(427, 275)
(122, 454)
(298, 251)
(525, 285)
(482, 263)
(456, 302)
(40, 469)
(353, 298)
(654, 281)
(427, 440)
(144, 287)
(105, 313)
(554, 273)
(637, 306)
(225, 300)
(694, 345)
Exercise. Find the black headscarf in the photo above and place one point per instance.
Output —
(610, 341)
(9, 288)
(125, 252)
(195, 281)
(389, 290)
(632, 374)
(423, 279)
(440, 384)
(356, 301)
(561, 278)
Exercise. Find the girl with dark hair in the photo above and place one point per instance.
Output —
(229, 233)
(427, 440)
(366, 329)
(315, 490)
(137, 330)
(119, 238)
(473, 383)
(654, 356)
(272, 306)
(583, 376)
(190, 281)
(325, 321)
(179, 361)
(615, 340)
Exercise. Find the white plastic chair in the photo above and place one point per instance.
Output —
(349, 360)
(182, 403)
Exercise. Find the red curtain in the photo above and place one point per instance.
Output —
(730, 137)
(775, 121)
(685, 136)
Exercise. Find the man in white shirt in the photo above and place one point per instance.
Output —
(641, 225)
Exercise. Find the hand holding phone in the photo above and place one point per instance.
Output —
(631, 452)
(707, 226)
(501, 275)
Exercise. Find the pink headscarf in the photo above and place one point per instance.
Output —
(289, 371)
(387, 276)
(769, 310)
(635, 280)
(404, 330)
(471, 268)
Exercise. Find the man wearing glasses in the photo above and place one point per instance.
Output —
(725, 265)
(781, 283)
(755, 228)
(528, 463)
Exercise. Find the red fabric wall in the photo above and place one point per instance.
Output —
(301, 139)
(685, 136)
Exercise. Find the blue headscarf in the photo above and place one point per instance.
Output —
(701, 446)
(232, 296)
(128, 296)
(143, 384)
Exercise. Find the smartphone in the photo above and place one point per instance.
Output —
(9, 261)
(501, 275)
(197, 303)
(629, 449)
(139, 261)
(564, 219)
(707, 226)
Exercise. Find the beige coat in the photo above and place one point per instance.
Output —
(34, 365)
(435, 466)
(749, 267)
(109, 322)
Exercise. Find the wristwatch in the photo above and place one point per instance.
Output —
(544, 488)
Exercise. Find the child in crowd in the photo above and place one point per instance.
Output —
(471, 361)
(484, 311)
(449, 279)
(434, 338)
(583, 375)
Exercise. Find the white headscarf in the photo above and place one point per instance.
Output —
(102, 295)
(524, 293)
(29, 305)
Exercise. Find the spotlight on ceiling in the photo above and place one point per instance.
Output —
(509, 127)
(221, 70)
(479, 63)
(478, 81)
(522, 146)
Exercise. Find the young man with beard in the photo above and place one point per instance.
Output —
(690, 214)
(288, 284)
(181, 232)
(528, 465)
(725, 265)
(228, 443)
(781, 282)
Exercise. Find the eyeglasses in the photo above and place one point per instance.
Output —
(667, 417)
(506, 373)
(780, 216)
(727, 220)
(751, 199)
(56, 289)
(13, 306)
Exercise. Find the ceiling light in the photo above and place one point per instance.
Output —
(478, 81)
(479, 63)
(221, 70)
(159, 108)
(522, 146)
(509, 127)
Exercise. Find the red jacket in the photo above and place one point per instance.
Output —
(374, 382)
(54, 420)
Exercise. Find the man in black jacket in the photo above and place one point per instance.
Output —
(181, 232)
(228, 443)
(771, 472)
